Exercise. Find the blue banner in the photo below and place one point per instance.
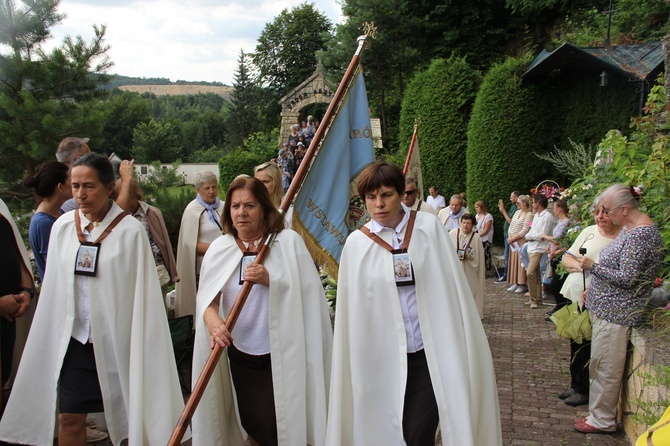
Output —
(327, 207)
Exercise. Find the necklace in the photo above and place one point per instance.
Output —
(247, 245)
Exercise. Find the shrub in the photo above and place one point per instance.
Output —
(442, 97)
(507, 125)
(642, 158)
(237, 163)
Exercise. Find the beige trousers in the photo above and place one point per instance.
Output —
(534, 276)
(609, 348)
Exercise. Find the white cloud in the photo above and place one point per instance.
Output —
(198, 40)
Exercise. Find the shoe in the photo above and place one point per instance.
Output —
(566, 394)
(513, 287)
(526, 294)
(501, 280)
(534, 306)
(530, 302)
(586, 428)
(577, 399)
(520, 289)
(90, 422)
(95, 436)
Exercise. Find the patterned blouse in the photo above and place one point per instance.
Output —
(624, 276)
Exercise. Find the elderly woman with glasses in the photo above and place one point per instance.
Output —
(591, 241)
(621, 285)
(200, 226)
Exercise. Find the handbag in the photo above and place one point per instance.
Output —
(573, 323)
(163, 276)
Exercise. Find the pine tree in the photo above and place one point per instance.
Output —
(242, 117)
(44, 96)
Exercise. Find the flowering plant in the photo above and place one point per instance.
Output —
(549, 189)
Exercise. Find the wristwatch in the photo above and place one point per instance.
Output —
(30, 291)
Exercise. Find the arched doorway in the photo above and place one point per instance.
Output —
(309, 98)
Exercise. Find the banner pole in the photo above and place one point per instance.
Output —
(411, 148)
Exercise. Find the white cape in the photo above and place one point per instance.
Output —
(186, 258)
(474, 268)
(370, 348)
(300, 346)
(133, 351)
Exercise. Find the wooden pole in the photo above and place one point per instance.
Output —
(411, 149)
(215, 355)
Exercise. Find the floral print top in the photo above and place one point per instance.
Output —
(624, 276)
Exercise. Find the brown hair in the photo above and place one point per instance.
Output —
(482, 205)
(469, 216)
(380, 174)
(274, 221)
(47, 176)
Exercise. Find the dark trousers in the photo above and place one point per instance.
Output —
(252, 379)
(503, 271)
(7, 339)
(420, 415)
(580, 355)
(554, 288)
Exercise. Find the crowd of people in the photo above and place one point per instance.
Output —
(414, 363)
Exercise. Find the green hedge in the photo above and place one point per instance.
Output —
(507, 125)
(442, 97)
(237, 163)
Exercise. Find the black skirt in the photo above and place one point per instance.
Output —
(79, 386)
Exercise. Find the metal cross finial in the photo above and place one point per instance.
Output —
(610, 11)
(369, 29)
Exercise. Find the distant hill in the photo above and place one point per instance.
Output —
(173, 89)
(163, 86)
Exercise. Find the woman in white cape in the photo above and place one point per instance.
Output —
(388, 336)
(200, 226)
(470, 251)
(272, 383)
(113, 320)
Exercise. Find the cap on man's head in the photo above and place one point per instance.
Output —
(282, 151)
(300, 143)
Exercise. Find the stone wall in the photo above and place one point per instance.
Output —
(648, 350)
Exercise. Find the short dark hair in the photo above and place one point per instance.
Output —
(541, 199)
(516, 192)
(469, 216)
(101, 165)
(378, 174)
(563, 205)
(274, 221)
(47, 176)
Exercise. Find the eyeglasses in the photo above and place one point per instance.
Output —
(410, 192)
(607, 211)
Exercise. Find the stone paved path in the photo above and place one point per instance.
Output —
(531, 364)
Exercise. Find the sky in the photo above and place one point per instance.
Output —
(192, 40)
